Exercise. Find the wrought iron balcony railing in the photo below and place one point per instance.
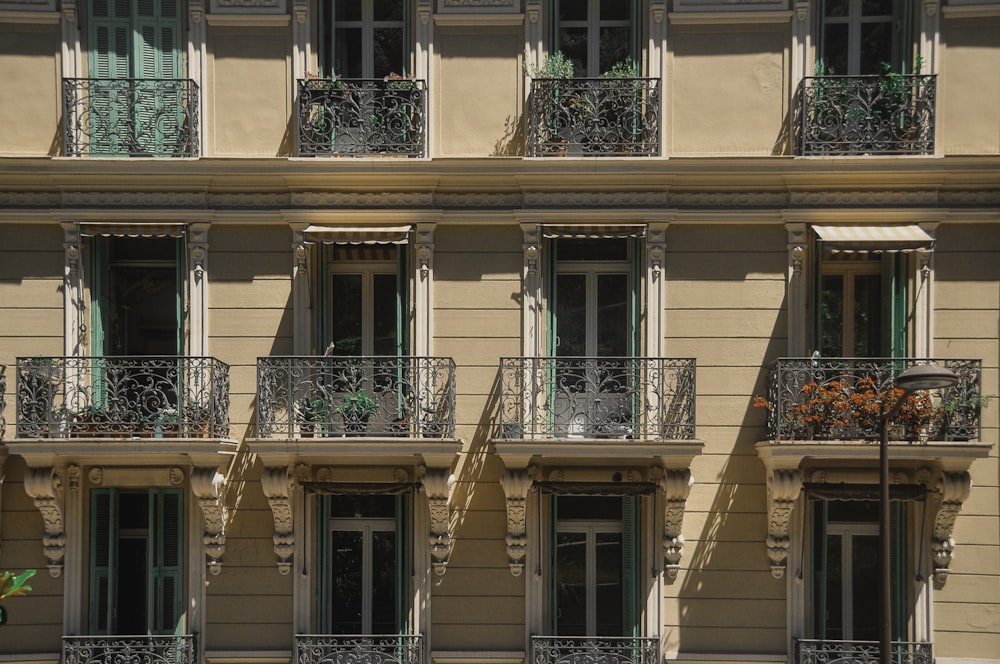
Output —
(361, 117)
(594, 650)
(841, 399)
(130, 117)
(358, 649)
(640, 398)
(603, 117)
(170, 649)
(816, 651)
(891, 114)
(325, 397)
(122, 397)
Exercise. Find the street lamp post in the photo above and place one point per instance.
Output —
(917, 377)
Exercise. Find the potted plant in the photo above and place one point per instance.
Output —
(309, 412)
(553, 105)
(12, 585)
(356, 408)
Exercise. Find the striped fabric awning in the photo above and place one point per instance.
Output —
(608, 231)
(357, 234)
(874, 239)
(132, 230)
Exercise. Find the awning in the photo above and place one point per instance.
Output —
(357, 234)
(870, 492)
(132, 230)
(874, 239)
(594, 232)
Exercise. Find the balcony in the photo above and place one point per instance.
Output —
(130, 117)
(361, 117)
(594, 650)
(839, 399)
(891, 114)
(134, 397)
(179, 649)
(603, 398)
(355, 397)
(358, 649)
(596, 117)
(814, 651)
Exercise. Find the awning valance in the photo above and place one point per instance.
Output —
(357, 234)
(132, 230)
(579, 231)
(597, 488)
(874, 239)
(359, 488)
(870, 492)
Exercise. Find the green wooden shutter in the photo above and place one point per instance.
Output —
(898, 550)
(551, 554)
(180, 282)
(323, 573)
(100, 300)
(157, 57)
(903, 46)
(107, 58)
(402, 300)
(166, 565)
(103, 559)
(402, 564)
(630, 567)
(894, 303)
(818, 517)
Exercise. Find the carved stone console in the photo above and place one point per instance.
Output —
(437, 485)
(277, 484)
(208, 485)
(45, 486)
(516, 484)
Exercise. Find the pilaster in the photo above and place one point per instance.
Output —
(797, 289)
(424, 290)
(197, 244)
(74, 308)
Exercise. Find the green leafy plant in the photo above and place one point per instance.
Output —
(12, 585)
(356, 407)
(625, 69)
(555, 65)
(312, 410)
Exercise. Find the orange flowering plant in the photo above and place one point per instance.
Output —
(844, 410)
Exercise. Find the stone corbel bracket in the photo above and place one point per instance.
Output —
(208, 485)
(277, 483)
(516, 484)
(952, 490)
(676, 487)
(45, 486)
(438, 483)
(783, 489)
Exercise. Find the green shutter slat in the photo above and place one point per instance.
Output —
(167, 517)
(551, 554)
(180, 281)
(898, 548)
(323, 572)
(819, 568)
(402, 565)
(630, 566)
(103, 563)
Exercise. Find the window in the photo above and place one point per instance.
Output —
(862, 306)
(137, 296)
(596, 34)
(367, 300)
(363, 581)
(593, 566)
(857, 36)
(844, 588)
(363, 38)
(136, 561)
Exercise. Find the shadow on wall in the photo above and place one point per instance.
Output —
(511, 144)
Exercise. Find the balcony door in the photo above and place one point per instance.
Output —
(137, 296)
(136, 561)
(593, 565)
(363, 575)
(862, 305)
(845, 584)
(592, 330)
(363, 38)
(857, 36)
(138, 40)
(596, 34)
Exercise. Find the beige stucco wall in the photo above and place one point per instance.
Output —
(968, 101)
(727, 89)
(32, 90)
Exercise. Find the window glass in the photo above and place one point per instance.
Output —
(347, 314)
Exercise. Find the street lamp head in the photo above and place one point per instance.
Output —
(926, 377)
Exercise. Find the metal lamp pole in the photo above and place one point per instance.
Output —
(917, 377)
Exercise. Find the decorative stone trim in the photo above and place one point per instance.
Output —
(248, 6)
(437, 484)
(277, 484)
(952, 490)
(516, 484)
(783, 488)
(208, 485)
(45, 487)
(676, 487)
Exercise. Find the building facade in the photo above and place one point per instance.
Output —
(497, 331)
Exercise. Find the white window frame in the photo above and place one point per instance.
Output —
(591, 270)
(847, 532)
(367, 270)
(368, 25)
(854, 20)
(593, 24)
(366, 526)
(849, 269)
(590, 528)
